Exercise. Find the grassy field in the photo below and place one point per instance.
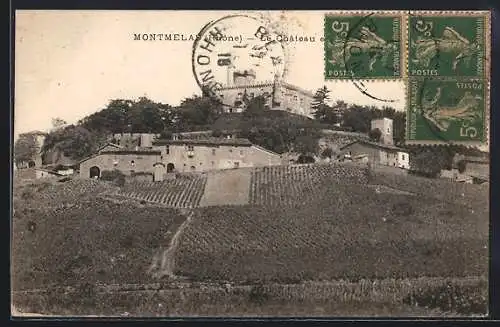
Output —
(345, 249)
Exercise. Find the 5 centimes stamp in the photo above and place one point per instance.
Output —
(236, 46)
(449, 44)
(447, 111)
(363, 45)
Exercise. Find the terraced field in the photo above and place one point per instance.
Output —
(182, 192)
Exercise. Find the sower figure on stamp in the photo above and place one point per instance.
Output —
(450, 42)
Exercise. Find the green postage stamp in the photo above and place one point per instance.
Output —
(363, 45)
(448, 78)
(448, 44)
(449, 110)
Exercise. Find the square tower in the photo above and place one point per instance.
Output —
(385, 126)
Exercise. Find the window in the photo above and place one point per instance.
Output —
(241, 152)
(230, 150)
(190, 148)
(403, 157)
(132, 163)
(388, 130)
(201, 163)
(167, 149)
(213, 152)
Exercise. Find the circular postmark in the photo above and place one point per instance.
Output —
(363, 48)
(236, 49)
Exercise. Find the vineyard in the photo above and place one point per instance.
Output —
(53, 193)
(299, 184)
(95, 241)
(182, 192)
(343, 232)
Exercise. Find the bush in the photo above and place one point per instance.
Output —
(375, 135)
(461, 165)
(258, 294)
(327, 153)
(462, 299)
(304, 159)
(115, 176)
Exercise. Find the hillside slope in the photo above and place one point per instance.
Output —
(334, 231)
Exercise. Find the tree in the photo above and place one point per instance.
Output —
(197, 111)
(58, 122)
(462, 166)
(73, 141)
(426, 163)
(327, 153)
(375, 135)
(321, 110)
(25, 148)
(430, 160)
(358, 118)
(256, 107)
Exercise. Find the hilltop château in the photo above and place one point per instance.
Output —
(279, 94)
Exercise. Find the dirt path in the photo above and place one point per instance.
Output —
(227, 187)
(164, 261)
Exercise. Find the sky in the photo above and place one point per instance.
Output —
(69, 64)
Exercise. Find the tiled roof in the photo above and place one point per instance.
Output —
(206, 141)
(125, 151)
(376, 145)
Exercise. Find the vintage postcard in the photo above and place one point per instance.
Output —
(250, 164)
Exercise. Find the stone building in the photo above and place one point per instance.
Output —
(382, 153)
(181, 155)
(385, 127)
(279, 95)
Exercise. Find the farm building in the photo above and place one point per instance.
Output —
(181, 155)
(383, 153)
(477, 170)
(378, 153)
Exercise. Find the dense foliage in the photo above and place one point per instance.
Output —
(25, 148)
(280, 132)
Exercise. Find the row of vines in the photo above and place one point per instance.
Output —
(178, 193)
(334, 237)
(295, 184)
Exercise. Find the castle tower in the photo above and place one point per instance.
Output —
(385, 126)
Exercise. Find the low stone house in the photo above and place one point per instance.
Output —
(181, 155)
